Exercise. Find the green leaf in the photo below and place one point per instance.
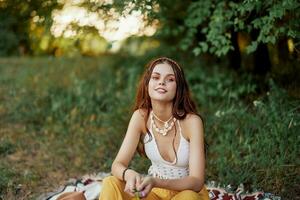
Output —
(204, 46)
(197, 51)
(252, 47)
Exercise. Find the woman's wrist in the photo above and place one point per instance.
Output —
(124, 174)
(128, 172)
(160, 183)
(154, 181)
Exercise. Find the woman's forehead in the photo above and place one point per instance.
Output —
(163, 68)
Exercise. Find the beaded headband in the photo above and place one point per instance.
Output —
(166, 59)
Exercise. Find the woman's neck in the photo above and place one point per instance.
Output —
(162, 110)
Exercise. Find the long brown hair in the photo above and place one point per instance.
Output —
(182, 102)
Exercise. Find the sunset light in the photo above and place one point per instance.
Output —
(117, 28)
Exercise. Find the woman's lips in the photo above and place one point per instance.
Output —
(160, 90)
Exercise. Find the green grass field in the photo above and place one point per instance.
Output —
(62, 118)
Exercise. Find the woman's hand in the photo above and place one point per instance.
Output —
(133, 180)
(146, 186)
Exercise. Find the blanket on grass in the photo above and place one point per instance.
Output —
(91, 186)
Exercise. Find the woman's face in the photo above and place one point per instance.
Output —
(162, 84)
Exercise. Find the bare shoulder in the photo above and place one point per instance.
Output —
(192, 124)
(138, 117)
(191, 119)
(139, 114)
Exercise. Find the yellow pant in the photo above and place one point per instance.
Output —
(113, 189)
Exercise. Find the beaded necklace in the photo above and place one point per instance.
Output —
(166, 128)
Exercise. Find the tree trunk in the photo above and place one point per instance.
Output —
(235, 54)
(262, 63)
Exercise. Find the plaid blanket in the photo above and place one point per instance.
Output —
(91, 186)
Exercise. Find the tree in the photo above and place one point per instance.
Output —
(214, 27)
(16, 20)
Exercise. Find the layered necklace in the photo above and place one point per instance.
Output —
(167, 126)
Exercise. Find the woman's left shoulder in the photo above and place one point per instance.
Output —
(191, 124)
(192, 119)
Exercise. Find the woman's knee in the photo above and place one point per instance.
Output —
(111, 180)
(112, 188)
(187, 194)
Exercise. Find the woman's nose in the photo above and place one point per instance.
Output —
(161, 82)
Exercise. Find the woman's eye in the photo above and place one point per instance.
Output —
(170, 79)
(154, 77)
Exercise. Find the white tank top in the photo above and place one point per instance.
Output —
(163, 169)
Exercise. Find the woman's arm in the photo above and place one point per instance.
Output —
(126, 152)
(186, 183)
(129, 145)
(193, 127)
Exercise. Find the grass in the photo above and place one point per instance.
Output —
(63, 118)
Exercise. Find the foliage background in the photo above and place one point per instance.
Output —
(65, 106)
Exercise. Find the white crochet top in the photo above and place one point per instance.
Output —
(163, 169)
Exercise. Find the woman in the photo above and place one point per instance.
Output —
(165, 126)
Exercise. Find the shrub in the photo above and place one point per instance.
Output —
(256, 144)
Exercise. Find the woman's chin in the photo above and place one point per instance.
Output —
(161, 99)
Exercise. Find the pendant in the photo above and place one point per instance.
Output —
(166, 125)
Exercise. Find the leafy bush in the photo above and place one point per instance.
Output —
(256, 144)
(252, 139)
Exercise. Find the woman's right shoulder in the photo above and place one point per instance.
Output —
(140, 113)
(138, 117)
